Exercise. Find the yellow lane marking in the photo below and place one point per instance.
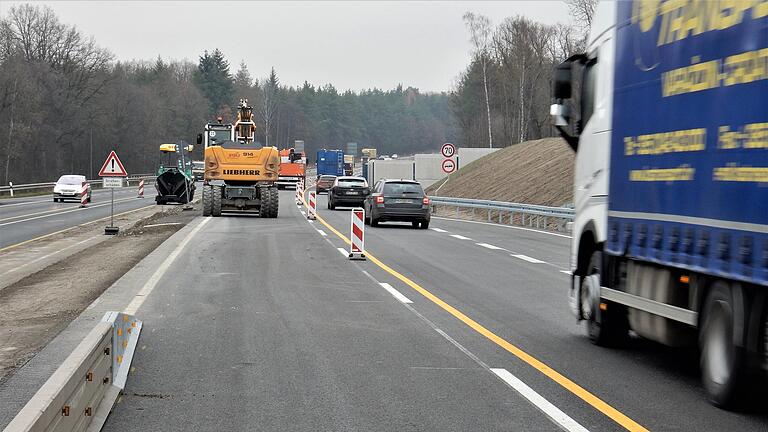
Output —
(537, 364)
(71, 228)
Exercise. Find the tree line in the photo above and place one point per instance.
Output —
(65, 102)
(503, 96)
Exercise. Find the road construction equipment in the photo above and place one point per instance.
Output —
(293, 168)
(173, 181)
(240, 173)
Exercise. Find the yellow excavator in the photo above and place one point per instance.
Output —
(240, 174)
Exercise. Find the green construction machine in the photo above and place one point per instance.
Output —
(175, 182)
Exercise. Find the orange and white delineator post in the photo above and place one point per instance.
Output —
(357, 231)
(312, 211)
(141, 189)
(299, 193)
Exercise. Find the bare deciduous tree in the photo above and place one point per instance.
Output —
(582, 11)
(480, 35)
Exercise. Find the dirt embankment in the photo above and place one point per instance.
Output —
(533, 172)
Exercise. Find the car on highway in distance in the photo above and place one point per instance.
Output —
(397, 201)
(70, 187)
(348, 191)
(324, 183)
(198, 170)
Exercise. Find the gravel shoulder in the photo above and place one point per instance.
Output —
(38, 306)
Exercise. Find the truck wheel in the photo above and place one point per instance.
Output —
(607, 327)
(765, 339)
(207, 200)
(216, 201)
(721, 360)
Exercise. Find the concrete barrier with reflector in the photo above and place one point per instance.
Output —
(312, 211)
(357, 231)
(81, 392)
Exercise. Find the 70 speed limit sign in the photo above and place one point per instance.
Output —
(448, 150)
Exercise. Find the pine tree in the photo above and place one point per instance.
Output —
(214, 80)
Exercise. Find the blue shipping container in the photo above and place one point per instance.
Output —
(330, 162)
(689, 150)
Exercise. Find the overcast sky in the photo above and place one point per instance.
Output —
(352, 45)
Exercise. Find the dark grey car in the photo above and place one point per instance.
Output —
(397, 201)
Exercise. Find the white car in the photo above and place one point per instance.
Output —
(71, 187)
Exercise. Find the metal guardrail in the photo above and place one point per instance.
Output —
(537, 216)
(82, 391)
(15, 188)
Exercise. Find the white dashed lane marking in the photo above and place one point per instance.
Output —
(527, 258)
(395, 293)
(460, 237)
(551, 411)
(489, 246)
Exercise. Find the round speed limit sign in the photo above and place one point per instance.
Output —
(448, 150)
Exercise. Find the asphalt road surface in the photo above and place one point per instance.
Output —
(23, 219)
(263, 324)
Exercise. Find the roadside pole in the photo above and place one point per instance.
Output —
(112, 174)
(182, 148)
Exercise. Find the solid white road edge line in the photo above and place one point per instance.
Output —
(142, 295)
(395, 293)
(343, 252)
(551, 411)
(460, 237)
(503, 226)
(489, 246)
(527, 258)
(56, 212)
(322, 233)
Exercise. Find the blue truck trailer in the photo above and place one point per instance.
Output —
(330, 162)
(670, 237)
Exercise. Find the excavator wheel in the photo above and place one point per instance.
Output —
(216, 201)
(269, 202)
(265, 209)
(207, 200)
(274, 199)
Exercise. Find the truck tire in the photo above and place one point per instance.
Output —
(216, 201)
(607, 327)
(207, 200)
(765, 340)
(721, 360)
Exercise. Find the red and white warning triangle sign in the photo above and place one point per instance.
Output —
(112, 167)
